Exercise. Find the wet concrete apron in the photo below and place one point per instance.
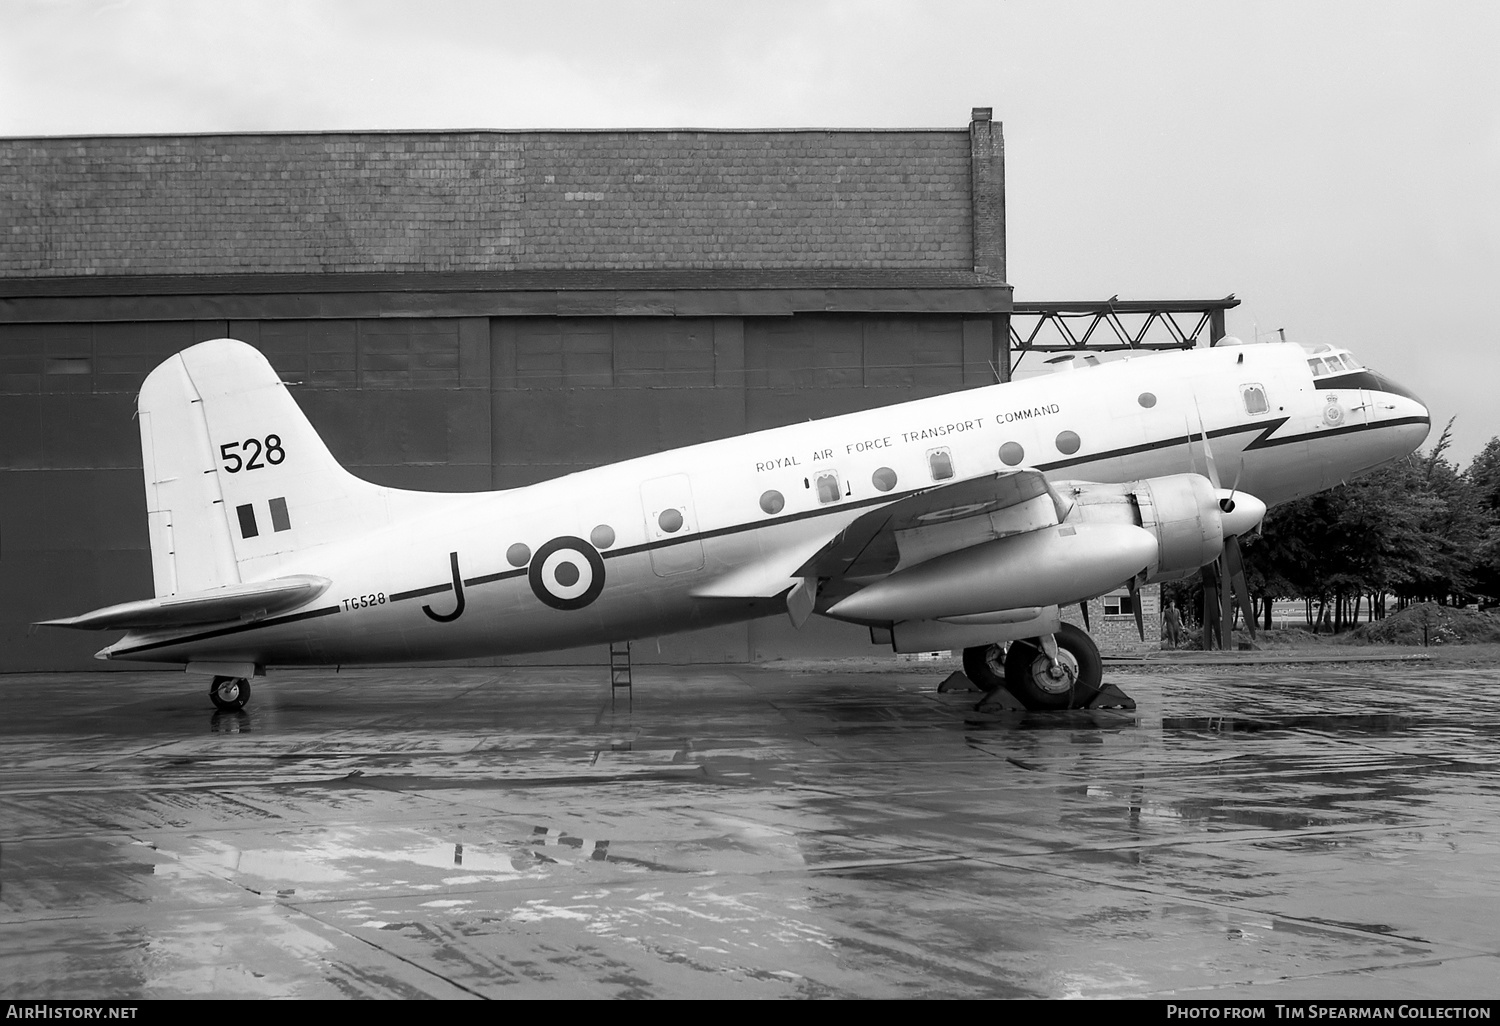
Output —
(1255, 832)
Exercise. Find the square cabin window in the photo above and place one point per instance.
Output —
(1255, 399)
(941, 463)
(828, 487)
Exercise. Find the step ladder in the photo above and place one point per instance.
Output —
(619, 670)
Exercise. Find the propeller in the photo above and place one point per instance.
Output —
(1225, 577)
(1135, 603)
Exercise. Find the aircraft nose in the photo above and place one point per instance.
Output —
(1407, 413)
(1413, 432)
(1385, 384)
(1239, 511)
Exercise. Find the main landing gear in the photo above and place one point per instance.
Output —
(1055, 671)
(229, 693)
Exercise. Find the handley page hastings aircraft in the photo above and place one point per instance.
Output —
(961, 521)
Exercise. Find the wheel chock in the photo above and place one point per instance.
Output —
(956, 681)
(1110, 697)
(1000, 701)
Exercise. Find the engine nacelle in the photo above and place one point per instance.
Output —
(1055, 566)
(1181, 511)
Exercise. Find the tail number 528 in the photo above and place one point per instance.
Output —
(257, 454)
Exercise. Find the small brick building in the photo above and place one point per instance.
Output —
(1112, 621)
(470, 310)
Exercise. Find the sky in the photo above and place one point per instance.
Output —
(1336, 165)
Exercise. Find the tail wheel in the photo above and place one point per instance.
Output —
(1070, 684)
(985, 666)
(229, 693)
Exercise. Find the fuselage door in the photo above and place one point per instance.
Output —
(671, 525)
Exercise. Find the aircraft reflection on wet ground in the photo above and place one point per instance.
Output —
(1259, 833)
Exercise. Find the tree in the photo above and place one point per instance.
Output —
(1408, 529)
(1419, 529)
(1484, 480)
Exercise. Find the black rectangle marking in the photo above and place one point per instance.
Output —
(279, 520)
(247, 521)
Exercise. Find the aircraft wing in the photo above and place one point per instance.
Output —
(937, 520)
(918, 526)
(232, 602)
(981, 551)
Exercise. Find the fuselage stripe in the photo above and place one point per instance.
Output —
(503, 575)
(419, 592)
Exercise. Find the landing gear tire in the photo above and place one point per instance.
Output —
(229, 693)
(1071, 684)
(984, 665)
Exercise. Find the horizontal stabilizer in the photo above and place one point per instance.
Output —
(215, 605)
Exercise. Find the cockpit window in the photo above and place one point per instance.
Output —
(1333, 363)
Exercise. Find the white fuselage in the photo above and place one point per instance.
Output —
(752, 508)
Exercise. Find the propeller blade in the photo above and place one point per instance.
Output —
(1208, 453)
(1209, 575)
(1235, 563)
(1226, 602)
(1135, 604)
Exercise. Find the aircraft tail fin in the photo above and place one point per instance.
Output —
(237, 479)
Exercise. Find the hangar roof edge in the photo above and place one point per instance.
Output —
(964, 129)
(558, 280)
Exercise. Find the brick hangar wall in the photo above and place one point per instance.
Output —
(454, 395)
(491, 201)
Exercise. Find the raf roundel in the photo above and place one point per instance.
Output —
(567, 573)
